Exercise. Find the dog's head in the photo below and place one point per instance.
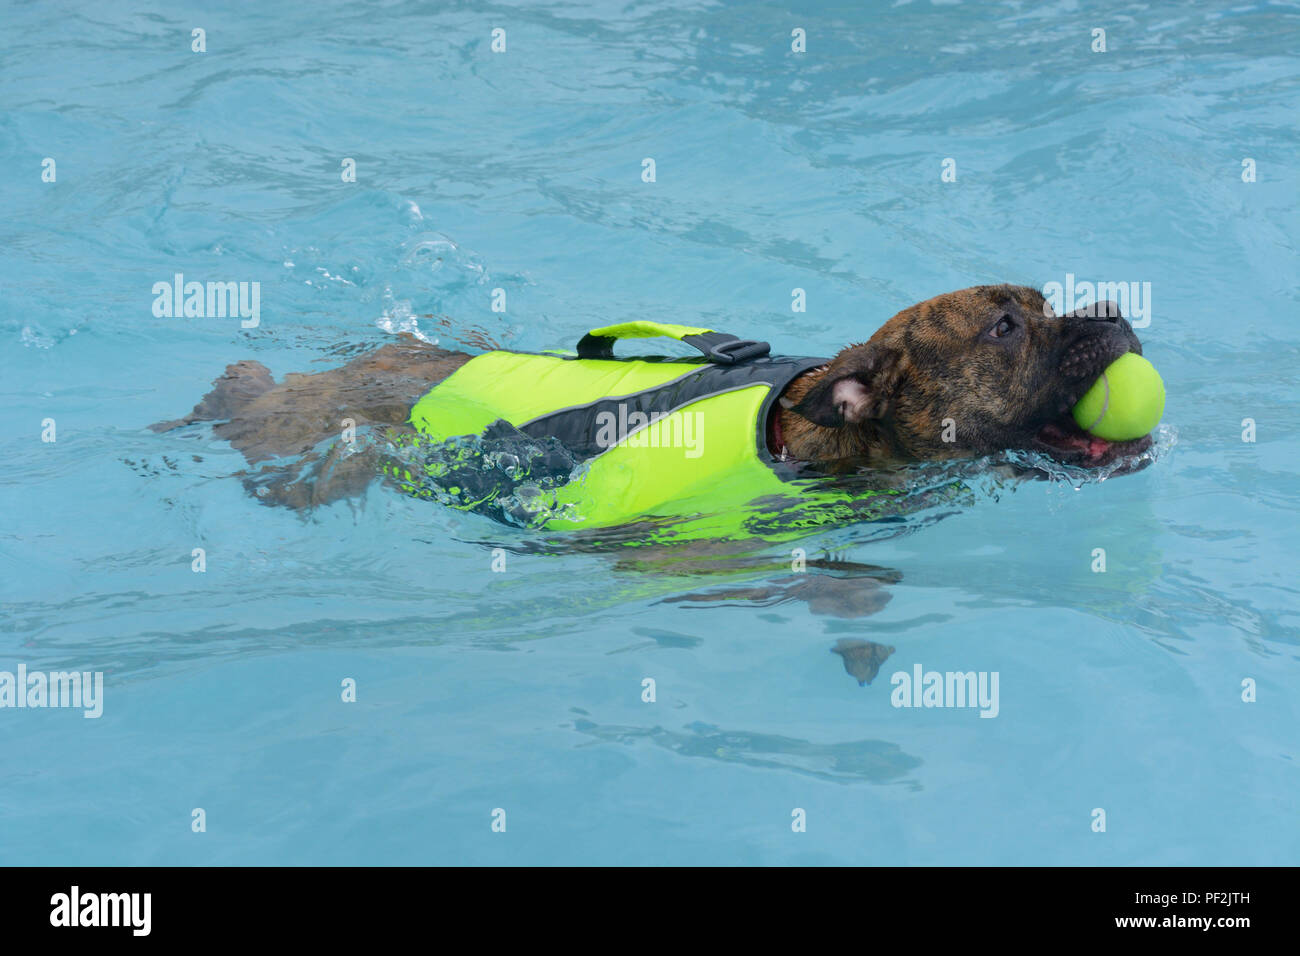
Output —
(971, 373)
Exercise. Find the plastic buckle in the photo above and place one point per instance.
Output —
(737, 350)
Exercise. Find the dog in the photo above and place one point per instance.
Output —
(992, 360)
(961, 375)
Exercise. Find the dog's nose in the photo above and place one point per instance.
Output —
(1104, 311)
(1107, 312)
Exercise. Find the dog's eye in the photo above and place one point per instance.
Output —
(1005, 326)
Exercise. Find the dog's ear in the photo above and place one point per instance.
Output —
(857, 387)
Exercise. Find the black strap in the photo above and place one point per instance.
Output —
(721, 348)
(726, 349)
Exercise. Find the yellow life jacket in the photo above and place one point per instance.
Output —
(677, 444)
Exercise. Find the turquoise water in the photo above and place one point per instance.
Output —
(522, 689)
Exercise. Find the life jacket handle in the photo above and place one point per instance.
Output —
(721, 348)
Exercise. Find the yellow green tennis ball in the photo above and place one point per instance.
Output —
(1125, 403)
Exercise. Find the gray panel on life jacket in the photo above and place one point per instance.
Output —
(577, 427)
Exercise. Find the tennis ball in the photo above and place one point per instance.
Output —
(1125, 403)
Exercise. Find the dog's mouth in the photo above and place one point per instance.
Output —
(1061, 437)
(1067, 442)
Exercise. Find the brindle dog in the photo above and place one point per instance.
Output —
(992, 359)
(964, 374)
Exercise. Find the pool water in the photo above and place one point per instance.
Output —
(501, 676)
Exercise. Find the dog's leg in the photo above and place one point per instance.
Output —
(238, 387)
(264, 420)
(317, 478)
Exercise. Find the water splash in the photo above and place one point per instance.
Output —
(397, 318)
(512, 477)
(503, 474)
(1163, 440)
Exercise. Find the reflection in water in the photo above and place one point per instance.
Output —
(862, 659)
(845, 597)
(660, 638)
(872, 761)
(68, 631)
(856, 590)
